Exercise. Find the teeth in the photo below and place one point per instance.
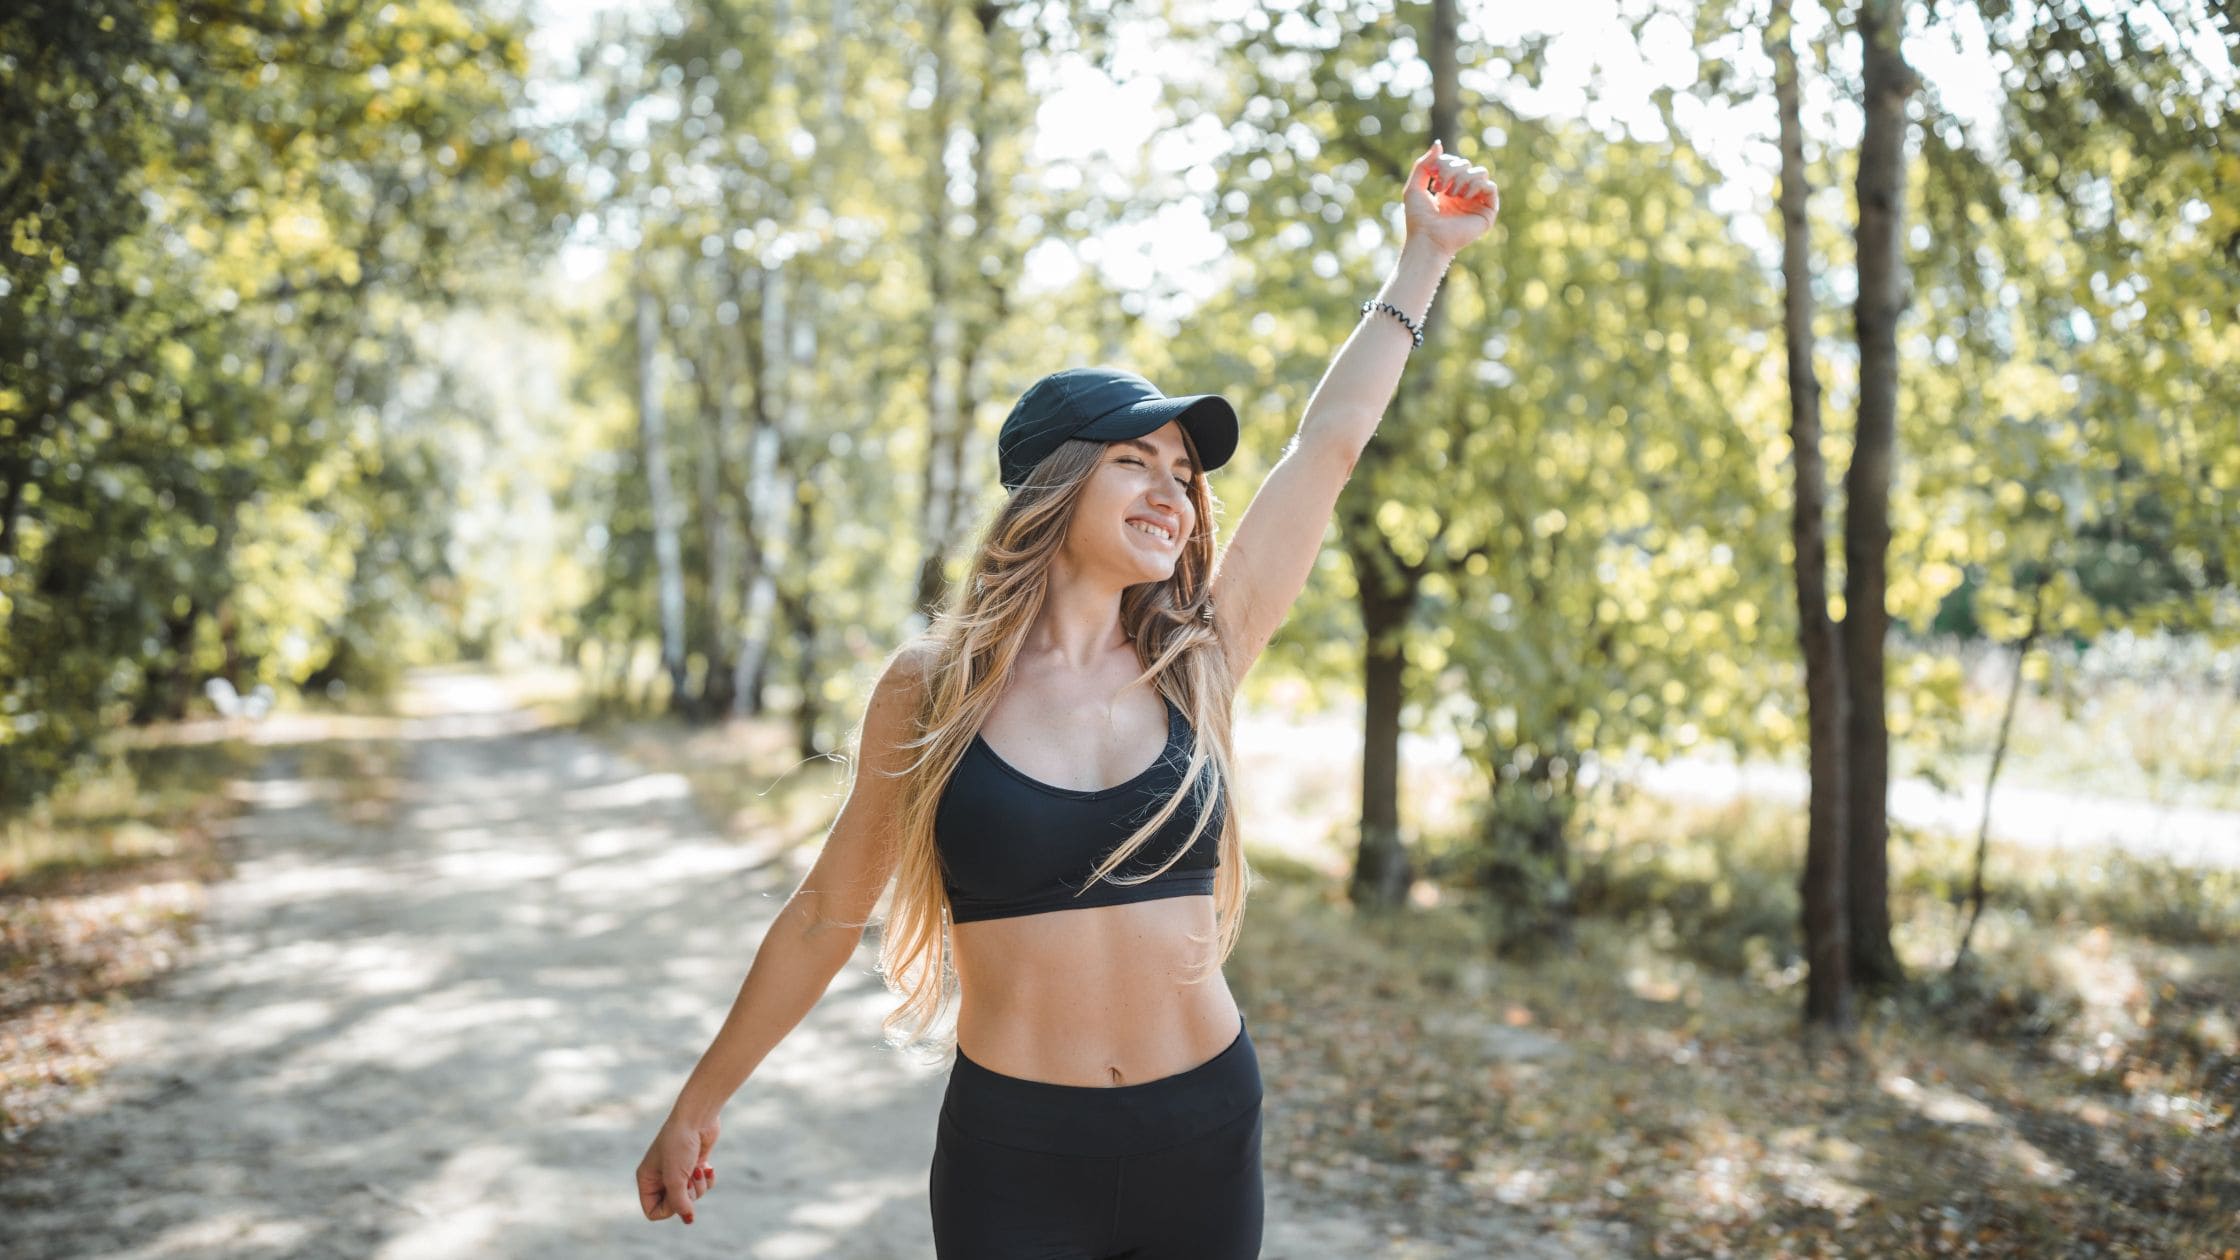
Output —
(1154, 531)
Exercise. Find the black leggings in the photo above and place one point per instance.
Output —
(1161, 1170)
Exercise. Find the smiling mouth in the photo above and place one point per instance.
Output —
(1149, 531)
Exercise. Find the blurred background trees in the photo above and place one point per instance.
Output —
(227, 225)
(337, 337)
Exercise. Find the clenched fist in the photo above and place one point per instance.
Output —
(1449, 202)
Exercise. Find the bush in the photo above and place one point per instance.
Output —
(1722, 884)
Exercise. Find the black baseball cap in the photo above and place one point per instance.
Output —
(1105, 405)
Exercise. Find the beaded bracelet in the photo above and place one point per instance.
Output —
(1413, 331)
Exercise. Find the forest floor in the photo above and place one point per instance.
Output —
(431, 988)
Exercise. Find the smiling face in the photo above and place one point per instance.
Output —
(1136, 510)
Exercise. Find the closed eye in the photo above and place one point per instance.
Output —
(1185, 481)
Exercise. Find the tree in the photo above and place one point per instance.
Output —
(223, 224)
(1560, 539)
(1828, 997)
(1888, 82)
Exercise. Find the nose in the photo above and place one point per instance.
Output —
(1175, 499)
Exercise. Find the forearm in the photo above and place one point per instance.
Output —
(1345, 408)
(794, 965)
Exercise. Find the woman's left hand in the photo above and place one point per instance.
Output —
(1449, 202)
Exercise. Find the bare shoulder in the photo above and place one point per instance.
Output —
(859, 853)
(894, 702)
(912, 663)
(909, 668)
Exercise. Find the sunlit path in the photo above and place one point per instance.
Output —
(450, 1035)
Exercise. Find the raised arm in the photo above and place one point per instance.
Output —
(813, 936)
(1449, 203)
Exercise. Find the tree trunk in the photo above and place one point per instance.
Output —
(15, 471)
(624, 656)
(711, 440)
(994, 269)
(768, 490)
(938, 498)
(771, 488)
(653, 431)
(1828, 999)
(801, 625)
(754, 342)
(165, 694)
(1866, 619)
(1381, 869)
(1387, 587)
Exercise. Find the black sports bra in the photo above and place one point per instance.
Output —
(1012, 845)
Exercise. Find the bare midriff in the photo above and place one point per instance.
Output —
(1097, 996)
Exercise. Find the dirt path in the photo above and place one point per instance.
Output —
(452, 1032)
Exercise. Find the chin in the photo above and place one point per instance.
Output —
(1154, 573)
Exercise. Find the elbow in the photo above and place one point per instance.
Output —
(823, 918)
(1336, 453)
(1335, 437)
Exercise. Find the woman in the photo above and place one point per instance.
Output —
(1105, 1098)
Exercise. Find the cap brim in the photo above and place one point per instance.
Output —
(1208, 418)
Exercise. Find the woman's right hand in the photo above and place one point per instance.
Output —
(675, 1170)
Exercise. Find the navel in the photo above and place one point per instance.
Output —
(1117, 1079)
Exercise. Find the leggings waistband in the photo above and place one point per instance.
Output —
(1103, 1120)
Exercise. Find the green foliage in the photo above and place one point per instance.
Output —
(222, 224)
(2075, 382)
(1584, 466)
(230, 446)
(829, 255)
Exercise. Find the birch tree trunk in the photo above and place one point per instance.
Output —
(786, 353)
(718, 420)
(746, 692)
(938, 496)
(653, 432)
(770, 492)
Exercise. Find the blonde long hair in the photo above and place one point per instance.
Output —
(969, 649)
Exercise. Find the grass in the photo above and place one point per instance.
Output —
(143, 806)
(2070, 1093)
(101, 888)
(2168, 740)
